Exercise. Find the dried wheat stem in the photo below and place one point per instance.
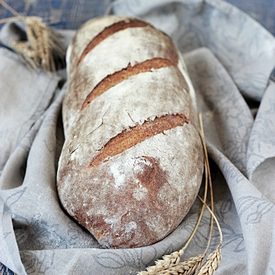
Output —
(16, 15)
(207, 176)
(214, 258)
(202, 135)
(215, 219)
(42, 44)
(201, 212)
(9, 8)
(8, 19)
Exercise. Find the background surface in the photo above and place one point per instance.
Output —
(70, 14)
(253, 208)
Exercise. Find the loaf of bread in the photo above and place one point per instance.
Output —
(132, 161)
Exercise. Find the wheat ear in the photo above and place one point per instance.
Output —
(187, 267)
(43, 48)
(212, 262)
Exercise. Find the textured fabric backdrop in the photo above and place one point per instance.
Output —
(69, 14)
(229, 58)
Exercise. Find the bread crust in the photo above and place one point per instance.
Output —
(111, 55)
(132, 162)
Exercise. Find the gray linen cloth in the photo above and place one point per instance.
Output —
(229, 58)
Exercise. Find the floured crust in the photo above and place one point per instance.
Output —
(132, 161)
(133, 101)
(111, 55)
(137, 134)
(87, 31)
(117, 77)
(140, 196)
(110, 31)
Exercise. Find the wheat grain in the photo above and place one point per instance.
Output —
(42, 45)
(43, 48)
(187, 267)
(166, 262)
(212, 262)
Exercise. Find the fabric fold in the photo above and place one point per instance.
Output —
(226, 64)
(261, 144)
(226, 31)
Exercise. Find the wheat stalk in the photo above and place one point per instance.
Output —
(207, 174)
(43, 48)
(42, 45)
(214, 258)
(9, 8)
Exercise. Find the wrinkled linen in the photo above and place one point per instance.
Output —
(229, 58)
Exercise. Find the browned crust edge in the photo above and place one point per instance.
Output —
(130, 137)
(115, 27)
(113, 79)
